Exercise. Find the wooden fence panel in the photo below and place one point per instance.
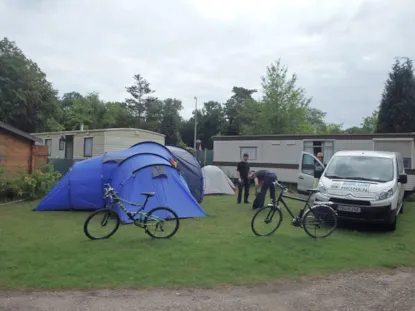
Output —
(39, 156)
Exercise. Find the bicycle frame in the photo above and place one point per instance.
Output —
(115, 199)
(301, 212)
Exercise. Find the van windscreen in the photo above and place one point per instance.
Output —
(368, 168)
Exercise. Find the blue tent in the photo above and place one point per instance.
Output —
(191, 171)
(142, 168)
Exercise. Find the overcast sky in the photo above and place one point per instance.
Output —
(341, 50)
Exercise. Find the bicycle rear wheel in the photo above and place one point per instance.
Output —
(160, 219)
(267, 216)
(319, 217)
(102, 220)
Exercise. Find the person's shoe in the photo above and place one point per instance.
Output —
(238, 202)
(246, 202)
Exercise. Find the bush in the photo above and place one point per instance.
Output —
(28, 186)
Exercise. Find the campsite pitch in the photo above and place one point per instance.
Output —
(48, 250)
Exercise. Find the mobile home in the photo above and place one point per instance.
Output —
(82, 144)
(290, 156)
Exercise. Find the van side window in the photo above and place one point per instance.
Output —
(401, 168)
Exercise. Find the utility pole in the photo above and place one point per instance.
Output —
(195, 132)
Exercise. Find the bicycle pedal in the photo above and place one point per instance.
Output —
(296, 222)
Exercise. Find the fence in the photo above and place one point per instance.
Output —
(63, 165)
(205, 157)
(39, 157)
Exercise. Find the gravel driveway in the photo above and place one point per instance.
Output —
(378, 291)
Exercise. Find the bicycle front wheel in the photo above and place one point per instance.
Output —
(161, 220)
(266, 221)
(101, 224)
(319, 217)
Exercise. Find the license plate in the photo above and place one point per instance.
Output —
(351, 209)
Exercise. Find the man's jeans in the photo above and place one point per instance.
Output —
(244, 184)
(267, 184)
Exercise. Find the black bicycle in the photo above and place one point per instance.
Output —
(310, 218)
(106, 218)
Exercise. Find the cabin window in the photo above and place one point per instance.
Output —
(48, 142)
(326, 147)
(407, 163)
(88, 144)
(251, 151)
(61, 144)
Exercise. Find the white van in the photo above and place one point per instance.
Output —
(364, 185)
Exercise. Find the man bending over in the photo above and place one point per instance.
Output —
(264, 179)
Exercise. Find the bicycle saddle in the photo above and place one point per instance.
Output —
(148, 194)
(314, 190)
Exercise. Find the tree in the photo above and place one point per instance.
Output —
(88, 110)
(284, 107)
(369, 123)
(139, 92)
(27, 100)
(117, 116)
(93, 112)
(170, 122)
(187, 130)
(397, 106)
(154, 108)
(212, 122)
(319, 126)
(234, 107)
(252, 118)
(367, 126)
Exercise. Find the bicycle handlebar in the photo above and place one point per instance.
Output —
(108, 190)
(283, 188)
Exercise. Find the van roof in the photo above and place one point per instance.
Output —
(368, 153)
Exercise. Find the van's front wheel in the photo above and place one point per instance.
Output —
(392, 225)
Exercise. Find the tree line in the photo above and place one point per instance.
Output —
(29, 102)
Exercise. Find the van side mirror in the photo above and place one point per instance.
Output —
(403, 178)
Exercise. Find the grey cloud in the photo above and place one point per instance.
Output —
(340, 50)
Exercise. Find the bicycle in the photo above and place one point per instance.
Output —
(321, 212)
(139, 218)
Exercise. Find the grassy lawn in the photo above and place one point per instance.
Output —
(49, 250)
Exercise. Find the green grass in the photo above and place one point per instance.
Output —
(49, 250)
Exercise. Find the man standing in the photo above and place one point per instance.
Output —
(243, 181)
(318, 169)
(264, 179)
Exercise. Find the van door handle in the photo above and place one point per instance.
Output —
(301, 177)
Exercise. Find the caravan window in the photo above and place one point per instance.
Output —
(88, 143)
(251, 151)
(48, 142)
(407, 162)
(61, 144)
(326, 147)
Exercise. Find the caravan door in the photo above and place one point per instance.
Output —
(306, 171)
